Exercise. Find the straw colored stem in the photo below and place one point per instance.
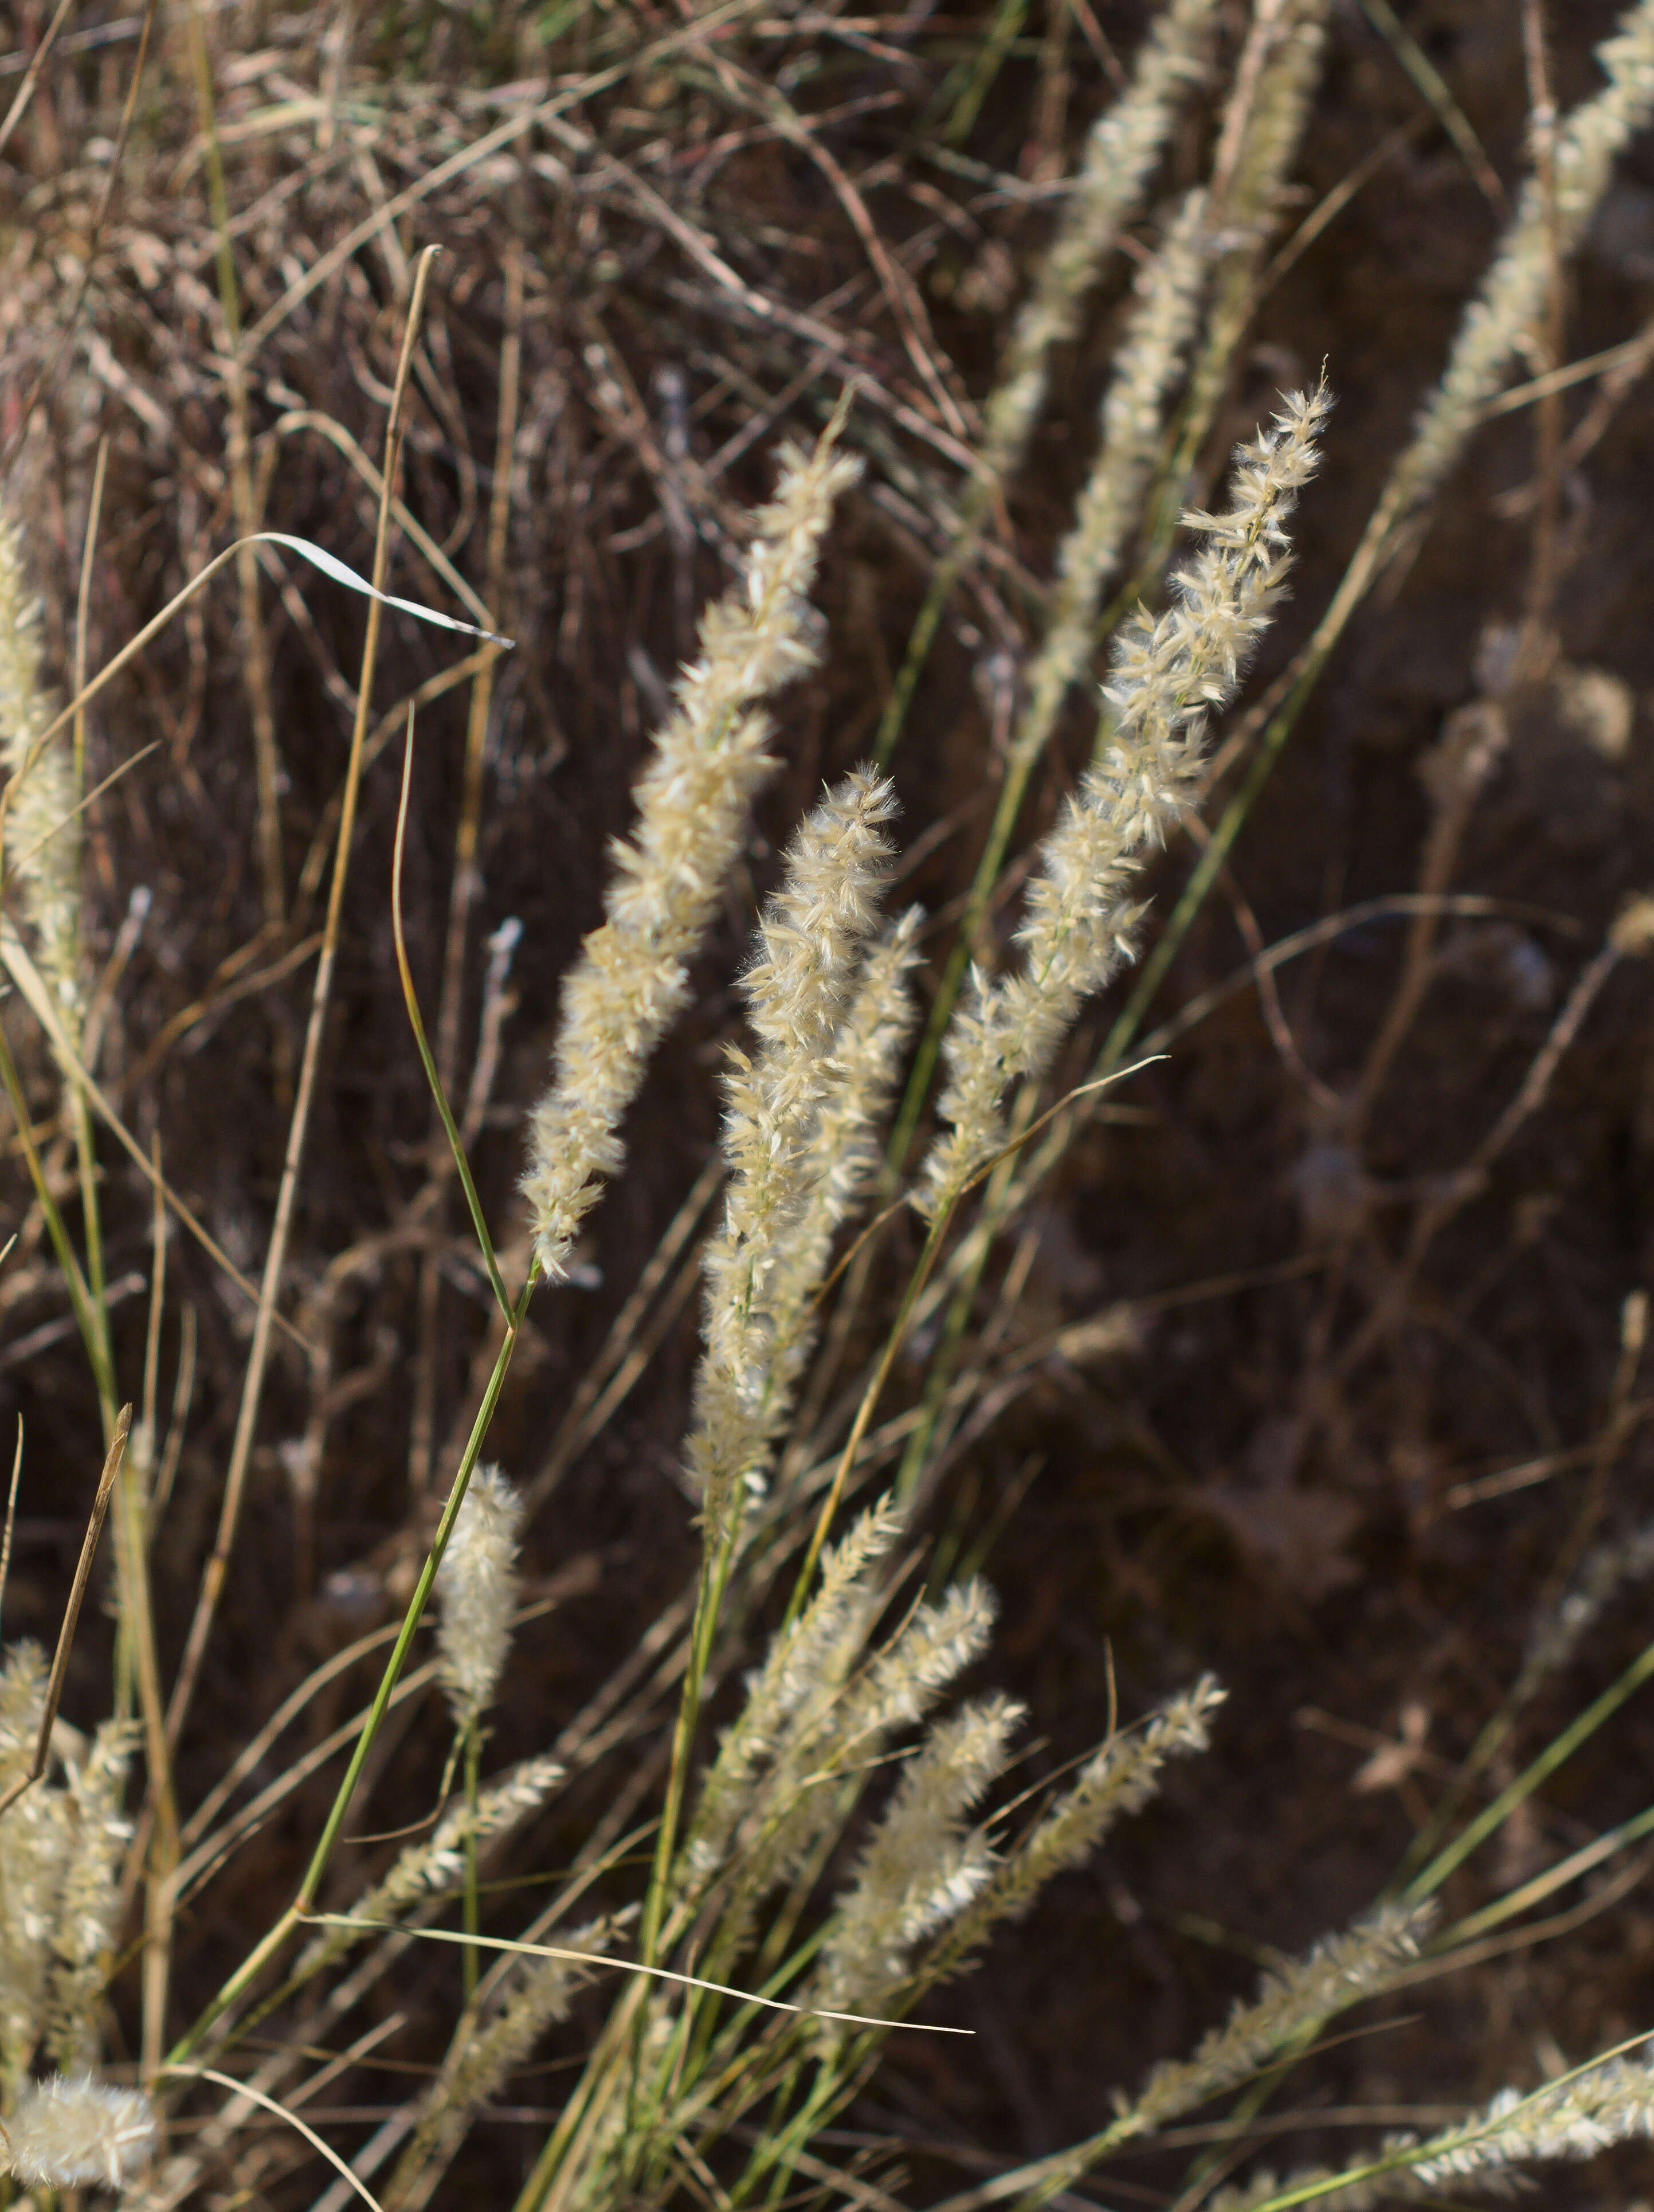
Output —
(466, 883)
(255, 659)
(246, 1420)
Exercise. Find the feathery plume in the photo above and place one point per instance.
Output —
(1120, 156)
(1511, 302)
(1295, 2001)
(939, 1642)
(841, 1733)
(1264, 125)
(811, 941)
(1559, 1632)
(540, 1995)
(790, 1694)
(428, 1869)
(72, 2133)
(42, 834)
(1584, 2113)
(89, 1902)
(1118, 1779)
(1297, 1997)
(1262, 129)
(1579, 2116)
(842, 1153)
(35, 1839)
(1167, 674)
(476, 1591)
(632, 977)
(920, 1866)
(1148, 364)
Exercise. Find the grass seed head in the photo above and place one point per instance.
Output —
(73, 2132)
(477, 1594)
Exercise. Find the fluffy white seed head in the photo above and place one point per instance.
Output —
(843, 1150)
(1146, 368)
(1297, 1998)
(631, 979)
(1120, 156)
(801, 990)
(36, 1840)
(921, 1868)
(1558, 1632)
(1264, 125)
(1576, 2117)
(1117, 1780)
(436, 1864)
(89, 1905)
(938, 1644)
(73, 2132)
(789, 1697)
(1549, 218)
(42, 833)
(840, 1731)
(1168, 673)
(476, 1593)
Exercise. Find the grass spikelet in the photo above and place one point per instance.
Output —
(1120, 157)
(811, 935)
(797, 990)
(843, 1731)
(74, 2132)
(1164, 315)
(939, 1642)
(430, 1868)
(1296, 1998)
(790, 1694)
(1511, 301)
(477, 1589)
(630, 980)
(1167, 674)
(921, 1868)
(89, 1907)
(1270, 125)
(35, 1838)
(534, 1999)
(1579, 2117)
(42, 834)
(1117, 1780)
(843, 1152)
(1558, 1633)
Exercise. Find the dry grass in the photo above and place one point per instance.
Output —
(1312, 1353)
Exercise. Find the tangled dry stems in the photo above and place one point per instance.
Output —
(767, 1875)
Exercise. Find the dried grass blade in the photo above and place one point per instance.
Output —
(622, 1966)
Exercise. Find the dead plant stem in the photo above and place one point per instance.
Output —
(246, 1422)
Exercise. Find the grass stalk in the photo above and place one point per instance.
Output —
(256, 656)
(246, 1420)
(470, 1921)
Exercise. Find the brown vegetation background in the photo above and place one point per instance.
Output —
(1221, 1494)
